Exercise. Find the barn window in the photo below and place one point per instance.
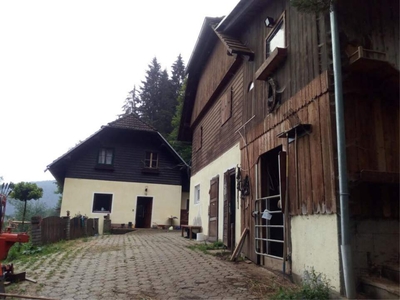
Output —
(276, 37)
(197, 194)
(102, 203)
(151, 160)
(105, 156)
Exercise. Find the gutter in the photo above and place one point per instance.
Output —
(346, 255)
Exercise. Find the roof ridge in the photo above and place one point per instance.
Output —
(123, 121)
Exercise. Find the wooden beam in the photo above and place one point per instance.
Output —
(25, 296)
(239, 245)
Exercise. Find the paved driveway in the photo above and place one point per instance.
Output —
(145, 264)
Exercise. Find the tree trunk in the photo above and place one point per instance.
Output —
(23, 216)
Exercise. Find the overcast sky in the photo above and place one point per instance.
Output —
(66, 68)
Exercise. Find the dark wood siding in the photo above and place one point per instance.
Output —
(212, 75)
(129, 154)
(306, 58)
(372, 24)
(217, 138)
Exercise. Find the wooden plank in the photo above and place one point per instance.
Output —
(25, 296)
(292, 180)
(391, 135)
(327, 154)
(314, 47)
(351, 135)
(239, 245)
(305, 168)
(379, 133)
(317, 178)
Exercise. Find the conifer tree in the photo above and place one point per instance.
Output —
(150, 93)
(132, 103)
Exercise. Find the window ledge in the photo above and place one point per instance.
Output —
(104, 167)
(272, 62)
(150, 170)
(101, 212)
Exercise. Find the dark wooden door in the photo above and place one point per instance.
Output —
(144, 209)
(229, 209)
(213, 210)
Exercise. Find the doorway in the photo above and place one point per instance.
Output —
(229, 209)
(213, 210)
(270, 223)
(144, 209)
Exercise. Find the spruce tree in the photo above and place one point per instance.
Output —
(184, 149)
(132, 103)
(150, 93)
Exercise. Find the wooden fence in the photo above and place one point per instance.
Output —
(54, 229)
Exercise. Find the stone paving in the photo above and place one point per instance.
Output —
(144, 264)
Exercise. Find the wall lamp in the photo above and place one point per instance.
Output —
(269, 22)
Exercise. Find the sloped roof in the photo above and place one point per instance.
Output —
(128, 121)
(233, 45)
(131, 121)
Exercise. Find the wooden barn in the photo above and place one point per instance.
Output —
(260, 110)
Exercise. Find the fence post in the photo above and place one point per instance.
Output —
(67, 226)
(36, 231)
(85, 220)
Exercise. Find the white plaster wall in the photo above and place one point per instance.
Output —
(315, 244)
(78, 198)
(198, 213)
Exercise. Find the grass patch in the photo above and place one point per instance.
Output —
(26, 252)
(314, 286)
(207, 246)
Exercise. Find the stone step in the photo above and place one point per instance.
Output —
(379, 288)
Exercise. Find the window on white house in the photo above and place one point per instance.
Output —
(151, 160)
(105, 156)
(276, 39)
(197, 194)
(102, 203)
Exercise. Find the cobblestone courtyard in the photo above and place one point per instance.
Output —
(145, 264)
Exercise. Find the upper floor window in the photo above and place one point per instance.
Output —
(276, 38)
(106, 156)
(151, 160)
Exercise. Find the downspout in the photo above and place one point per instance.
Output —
(345, 247)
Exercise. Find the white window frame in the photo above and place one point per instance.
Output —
(280, 23)
(196, 197)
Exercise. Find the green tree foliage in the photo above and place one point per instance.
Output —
(178, 76)
(35, 208)
(58, 191)
(184, 149)
(132, 103)
(311, 6)
(159, 102)
(25, 191)
(150, 93)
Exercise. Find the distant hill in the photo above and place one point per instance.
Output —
(49, 198)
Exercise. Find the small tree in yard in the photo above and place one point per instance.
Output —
(25, 191)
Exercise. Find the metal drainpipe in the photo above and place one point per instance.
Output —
(345, 248)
